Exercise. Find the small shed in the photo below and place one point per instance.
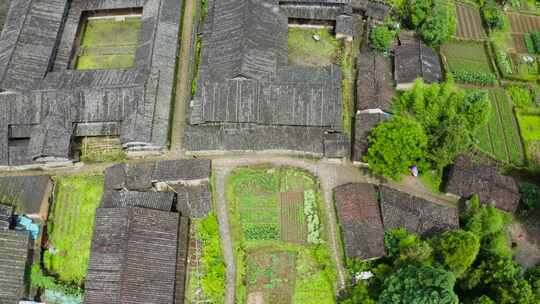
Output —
(467, 177)
(360, 221)
(416, 214)
(346, 27)
(413, 59)
(29, 195)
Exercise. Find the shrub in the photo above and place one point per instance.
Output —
(213, 278)
(521, 96)
(529, 43)
(529, 197)
(475, 77)
(492, 15)
(39, 280)
(310, 210)
(381, 38)
(535, 37)
(503, 61)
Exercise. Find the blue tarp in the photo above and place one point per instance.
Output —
(25, 223)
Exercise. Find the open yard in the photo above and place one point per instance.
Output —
(108, 43)
(500, 137)
(466, 56)
(304, 50)
(277, 225)
(529, 125)
(70, 226)
(469, 23)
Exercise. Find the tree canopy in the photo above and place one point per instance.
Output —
(434, 20)
(381, 38)
(456, 250)
(424, 284)
(395, 146)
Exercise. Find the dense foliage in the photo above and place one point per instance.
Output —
(474, 263)
(395, 146)
(532, 42)
(424, 284)
(381, 37)
(434, 20)
(448, 115)
(530, 197)
(40, 280)
(213, 265)
(475, 77)
(521, 97)
(492, 15)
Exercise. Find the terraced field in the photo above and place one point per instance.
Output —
(501, 138)
(469, 23)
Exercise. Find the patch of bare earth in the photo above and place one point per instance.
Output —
(526, 235)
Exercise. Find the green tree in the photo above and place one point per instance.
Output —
(532, 275)
(355, 294)
(529, 197)
(492, 15)
(414, 12)
(483, 300)
(439, 26)
(381, 37)
(482, 220)
(395, 146)
(407, 248)
(423, 284)
(456, 250)
(448, 116)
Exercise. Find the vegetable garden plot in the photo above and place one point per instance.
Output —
(469, 23)
(500, 138)
(293, 222)
(521, 23)
(269, 276)
(529, 125)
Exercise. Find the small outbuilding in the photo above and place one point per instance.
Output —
(29, 195)
(412, 60)
(346, 27)
(416, 214)
(468, 177)
(360, 221)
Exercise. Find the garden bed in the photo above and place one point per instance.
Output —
(469, 23)
(70, 226)
(529, 125)
(278, 225)
(500, 137)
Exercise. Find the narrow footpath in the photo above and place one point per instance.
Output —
(183, 88)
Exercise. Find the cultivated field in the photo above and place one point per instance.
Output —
(271, 215)
(466, 56)
(306, 51)
(500, 137)
(71, 225)
(469, 23)
(521, 24)
(529, 124)
(108, 44)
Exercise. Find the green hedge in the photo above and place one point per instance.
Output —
(475, 77)
(532, 42)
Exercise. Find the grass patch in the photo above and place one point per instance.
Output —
(529, 126)
(109, 44)
(256, 196)
(466, 56)
(70, 226)
(102, 149)
(432, 180)
(305, 51)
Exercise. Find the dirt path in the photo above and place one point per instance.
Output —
(183, 79)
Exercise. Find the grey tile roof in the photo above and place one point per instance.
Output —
(413, 59)
(152, 200)
(360, 220)
(25, 193)
(374, 84)
(363, 124)
(247, 97)
(417, 215)
(133, 258)
(14, 251)
(45, 92)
